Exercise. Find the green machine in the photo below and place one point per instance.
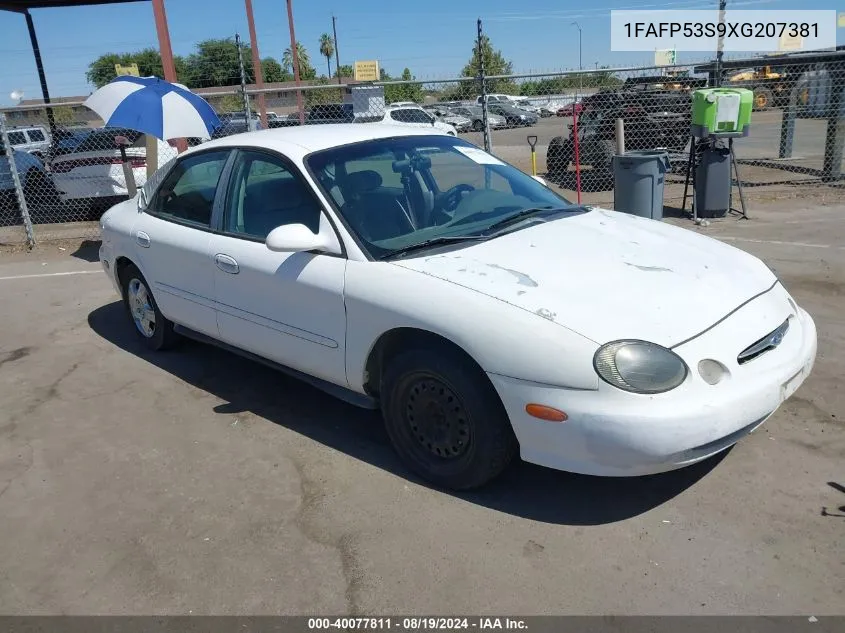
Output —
(721, 112)
(719, 115)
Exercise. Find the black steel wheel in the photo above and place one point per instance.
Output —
(445, 420)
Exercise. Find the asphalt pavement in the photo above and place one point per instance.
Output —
(194, 482)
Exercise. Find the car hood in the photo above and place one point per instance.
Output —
(608, 275)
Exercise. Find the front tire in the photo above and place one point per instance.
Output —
(445, 419)
(149, 323)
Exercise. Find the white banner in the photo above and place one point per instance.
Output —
(741, 30)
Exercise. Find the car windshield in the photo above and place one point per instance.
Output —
(398, 193)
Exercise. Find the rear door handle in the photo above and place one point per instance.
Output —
(226, 264)
(143, 239)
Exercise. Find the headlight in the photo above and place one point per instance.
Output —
(639, 366)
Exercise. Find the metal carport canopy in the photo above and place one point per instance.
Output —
(23, 6)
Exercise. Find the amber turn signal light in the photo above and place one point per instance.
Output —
(543, 412)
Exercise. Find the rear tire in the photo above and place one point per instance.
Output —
(445, 419)
(149, 323)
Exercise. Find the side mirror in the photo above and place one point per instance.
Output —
(540, 180)
(297, 238)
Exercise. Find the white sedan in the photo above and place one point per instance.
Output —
(485, 315)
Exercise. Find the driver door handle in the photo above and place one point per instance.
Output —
(142, 239)
(227, 264)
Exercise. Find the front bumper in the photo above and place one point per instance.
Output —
(613, 433)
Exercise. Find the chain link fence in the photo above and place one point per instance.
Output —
(68, 169)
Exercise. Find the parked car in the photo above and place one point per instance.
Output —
(475, 114)
(525, 104)
(411, 116)
(570, 109)
(512, 115)
(282, 121)
(497, 98)
(35, 181)
(330, 113)
(33, 140)
(484, 317)
(446, 115)
(235, 123)
(549, 108)
(93, 167)
(654, 119)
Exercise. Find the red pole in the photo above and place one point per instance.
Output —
(166, 52)
(256, 64)
(295, 55)
(577, 157)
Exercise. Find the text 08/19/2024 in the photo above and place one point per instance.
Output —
(739, 30)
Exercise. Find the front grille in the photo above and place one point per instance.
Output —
(765, 344)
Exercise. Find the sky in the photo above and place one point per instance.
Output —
(433, 38)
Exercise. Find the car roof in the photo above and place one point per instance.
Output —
(297, 141)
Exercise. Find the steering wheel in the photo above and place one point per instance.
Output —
(449, 200)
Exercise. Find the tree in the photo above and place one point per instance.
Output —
(345, 71)
(327, 50)
(101, 71)
(63, 115)
(405, 91)
(231, 103)
(273, 71)
(306, 70)
(216, 64)
(494, 64)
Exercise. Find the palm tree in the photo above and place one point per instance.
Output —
(327, 50)
(302, 57)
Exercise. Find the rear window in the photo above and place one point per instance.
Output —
(17, 138)
(36, 136)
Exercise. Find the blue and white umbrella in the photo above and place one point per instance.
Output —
(154, 106)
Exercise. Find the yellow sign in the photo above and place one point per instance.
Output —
(840, 20)
(366, 71)
(788, 43)
(131, 69)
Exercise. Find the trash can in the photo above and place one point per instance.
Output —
(639, 178)
(713, 180)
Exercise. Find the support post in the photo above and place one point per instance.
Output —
(16, 181)
(256, 65)
(294, 52)
(166, 51)
(620, 136)
(42, 78)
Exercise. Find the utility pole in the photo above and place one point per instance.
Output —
(720, 46)
(580, 64)
(336, 52)
(481, 78)
(247, 109)
(256, 64)
(294, 52)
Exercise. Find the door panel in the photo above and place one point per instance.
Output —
(173, 239)
(180, 271)
(287, 307)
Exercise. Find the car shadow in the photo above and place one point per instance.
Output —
(88, 250)
(524, 490)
